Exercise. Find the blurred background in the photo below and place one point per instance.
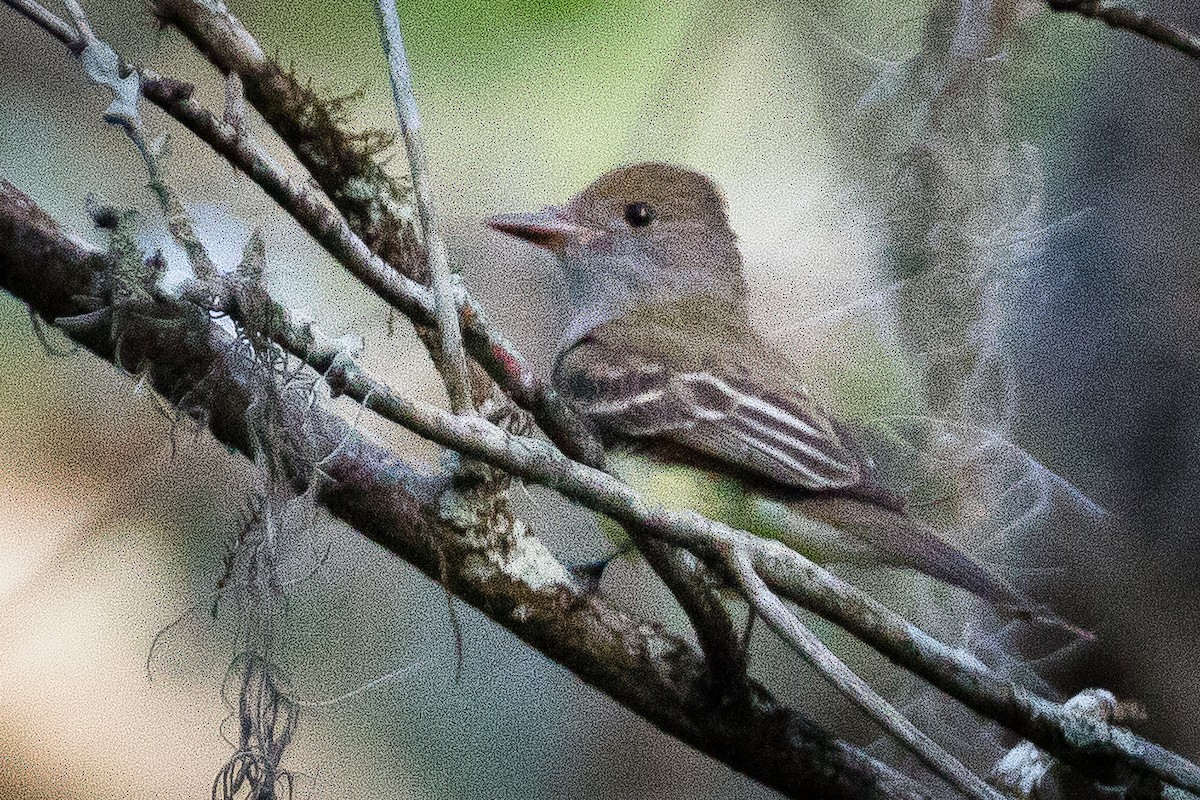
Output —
(114, 521)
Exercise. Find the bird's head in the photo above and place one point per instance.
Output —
(643, 234)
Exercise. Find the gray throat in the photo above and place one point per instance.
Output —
(606, 287)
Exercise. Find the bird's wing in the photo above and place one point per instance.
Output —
(745, 411)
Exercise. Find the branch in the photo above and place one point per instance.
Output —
(695, 590)
(452, 362)
(1092, 746)
(513, 373)
(788, 626)
(344, 164)
(1121, 15)
(49, 22)
(191, 362)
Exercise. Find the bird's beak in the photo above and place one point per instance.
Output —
(548, 228)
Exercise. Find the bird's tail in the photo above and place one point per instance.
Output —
(891, 538)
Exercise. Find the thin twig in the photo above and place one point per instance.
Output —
(363, 688)
(326, 226)
(788, 626)
(571, 432)
(48, 21)
(701, 602)
(1126, 17)
(80, 19)
(451, 361)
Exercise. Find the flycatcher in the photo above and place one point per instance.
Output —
(694, 408)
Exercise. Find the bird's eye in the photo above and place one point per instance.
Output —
(639, 215)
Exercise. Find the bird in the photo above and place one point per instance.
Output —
(693, 407)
